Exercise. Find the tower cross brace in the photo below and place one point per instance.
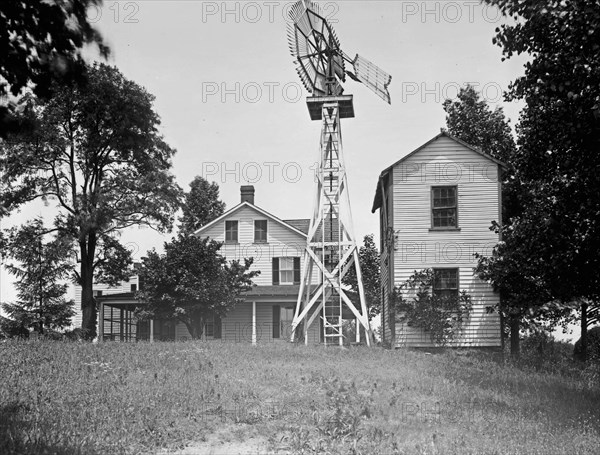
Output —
(331, 247)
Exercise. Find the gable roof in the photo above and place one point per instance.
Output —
(238, 207)
(377, 200)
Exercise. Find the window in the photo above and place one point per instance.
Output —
(133, 287)
(260, 231)
(286, 270)
(231, 231)
(445, 282)
(444, 207)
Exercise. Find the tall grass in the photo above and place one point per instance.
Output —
(71, 398)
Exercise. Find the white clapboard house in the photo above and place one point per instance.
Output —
(435, 208)
(267, 311)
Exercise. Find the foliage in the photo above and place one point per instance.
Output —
(557, 158)
(192, 281)
(470, 119)
(593, 346)
(39, 271)
(517, 276)
(368, 257)
(440, 316)
(41, 42)
(97, 152)
(201, 206)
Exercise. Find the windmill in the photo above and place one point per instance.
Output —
(331, 247)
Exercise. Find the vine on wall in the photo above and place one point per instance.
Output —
(442, 317)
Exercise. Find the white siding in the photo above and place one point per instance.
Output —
(281, 242)
(446, 162)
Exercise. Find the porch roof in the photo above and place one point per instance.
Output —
(281, 290)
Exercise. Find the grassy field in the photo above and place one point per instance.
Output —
(218, 398)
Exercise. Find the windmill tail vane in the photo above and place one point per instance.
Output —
(372, 76)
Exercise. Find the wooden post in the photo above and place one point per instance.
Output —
(254, 323)
(101, 322)
(357, 322)
(151, 330)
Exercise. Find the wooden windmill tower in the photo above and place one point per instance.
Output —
(331, 248)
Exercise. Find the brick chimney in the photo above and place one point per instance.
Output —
(247, 192)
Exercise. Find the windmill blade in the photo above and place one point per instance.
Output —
(372, 76)
(316, 49)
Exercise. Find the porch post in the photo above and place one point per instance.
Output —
(253, 322)
(151, 330)
(101, 322)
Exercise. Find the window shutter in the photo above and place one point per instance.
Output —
(217, 330)
(276, 321)
(296, 270)
(275, 270)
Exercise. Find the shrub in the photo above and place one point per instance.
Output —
(441, 317)
(593, 345)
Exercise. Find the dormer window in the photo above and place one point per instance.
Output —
(260, 231)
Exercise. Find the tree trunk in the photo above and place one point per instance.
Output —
(195, 327)
(584, 323)
(514, 336)
(88, 303)
(89, 314)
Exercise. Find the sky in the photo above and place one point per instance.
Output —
(233, 106)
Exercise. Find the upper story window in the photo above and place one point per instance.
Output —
(231, 231)
(445, 282)
(260, 231)
(444, 207)
(286, 270)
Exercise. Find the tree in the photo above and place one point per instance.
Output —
(42, 266)
(192, 281)
(470, 119)
(368, 257)
(201, 206)
(41, 41)
(97, 152)
(558, 141)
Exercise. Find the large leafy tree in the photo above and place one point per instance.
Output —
(192, 281)
(41, 269)
(368, 256)
(201, 205)
(98, 153)
(557, 160)
(40, 42)
(470, 118)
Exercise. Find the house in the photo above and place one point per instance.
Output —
(435, 207)
(267, 311)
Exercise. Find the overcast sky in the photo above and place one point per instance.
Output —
(233, 106)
